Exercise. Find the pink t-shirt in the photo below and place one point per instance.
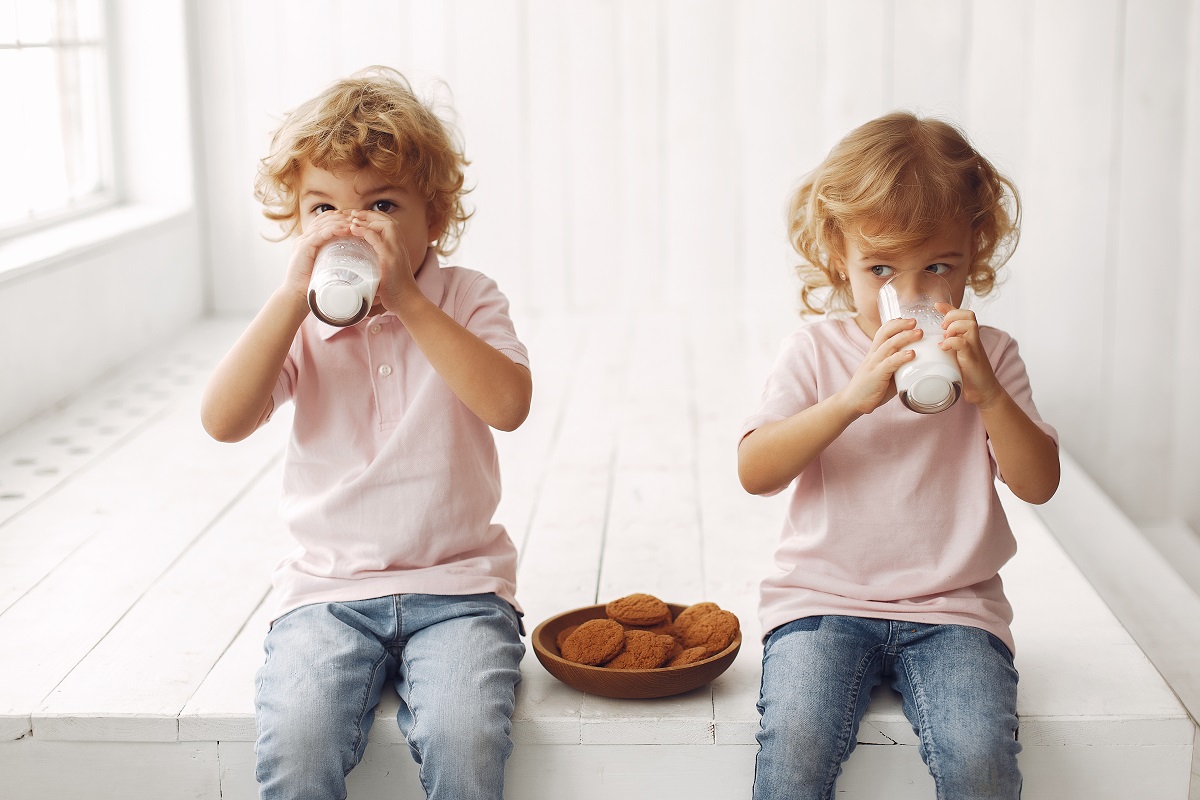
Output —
(390, 481)
(899, 517)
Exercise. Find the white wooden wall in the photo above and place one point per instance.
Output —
(640, 151)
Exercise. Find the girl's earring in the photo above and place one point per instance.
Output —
(842, 275)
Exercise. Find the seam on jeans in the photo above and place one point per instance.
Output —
(924, 729)
(408, 737)
(360, 741)
(847, 734)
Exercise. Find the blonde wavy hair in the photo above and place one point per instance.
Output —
(891, 184)
(370, 120)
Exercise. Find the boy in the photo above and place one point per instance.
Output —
(391, 476)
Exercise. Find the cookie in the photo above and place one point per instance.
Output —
(643, 650)
(667, 628)
(689, 656)
(710, 628)
(697, 610)
(563, 634)
(594, 642)
(642, 610)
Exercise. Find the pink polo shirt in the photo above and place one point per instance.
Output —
(899, 517)
(390, 481)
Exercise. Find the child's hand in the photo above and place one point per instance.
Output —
(396, 264)
(872, 384)
(980, 386)
(323, 227)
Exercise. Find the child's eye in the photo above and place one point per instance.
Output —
(938, 269)
(383, 206)
(321, 208)
(881, 270)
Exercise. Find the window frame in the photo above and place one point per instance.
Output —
(107, 193)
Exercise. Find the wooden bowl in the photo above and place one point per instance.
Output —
(624, 683)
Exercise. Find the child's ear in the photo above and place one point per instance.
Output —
(437, 226)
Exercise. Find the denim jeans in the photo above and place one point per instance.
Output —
(455, 663)
(959, 689)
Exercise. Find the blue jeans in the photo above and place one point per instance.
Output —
(959, 689)
(455, 663)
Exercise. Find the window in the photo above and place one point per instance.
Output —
(54, 111)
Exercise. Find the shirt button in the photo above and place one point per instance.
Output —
(376, 328)
(385, 370)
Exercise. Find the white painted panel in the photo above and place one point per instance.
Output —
(777, 92)
(857, 37)
(548, 272)
(929, 48)
(700, 184)
(596, 251)
(1185, 459)
(1140, 328)
(488, 71)
(642, 147)
(1068, 196)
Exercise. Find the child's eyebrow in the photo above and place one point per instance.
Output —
(890, 256)
(386, 188)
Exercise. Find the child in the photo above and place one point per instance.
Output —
(390, 479)
(894, 534)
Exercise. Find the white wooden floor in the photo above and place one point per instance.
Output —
(135, 555)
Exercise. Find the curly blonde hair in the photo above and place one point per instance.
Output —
(370, 120)
(891, 184)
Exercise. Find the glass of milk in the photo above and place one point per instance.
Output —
(930, 382)
(344, 280)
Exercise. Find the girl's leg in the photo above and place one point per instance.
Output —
(315, 696)
(457, 681)
(817, 678)
(960, 694)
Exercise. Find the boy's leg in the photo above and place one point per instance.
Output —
(817, 678)
(457, 683)
(960, 694)
(316, 695)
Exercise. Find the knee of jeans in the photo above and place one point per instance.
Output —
(462, 742)
(974, 763)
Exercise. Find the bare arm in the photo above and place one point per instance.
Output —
(770, 457)
(237, 399)
(497, 389)
(1026, 456)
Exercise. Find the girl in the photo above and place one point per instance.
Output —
(894, 535)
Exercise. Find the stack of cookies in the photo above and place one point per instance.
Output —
(639, 633)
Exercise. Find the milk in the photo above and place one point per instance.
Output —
(931, 382)
(344, 280)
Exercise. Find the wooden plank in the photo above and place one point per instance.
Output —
(222, 708)
(37, 770)
(111, 531)
(1120, 563)
(78, 433)
(133, 684)
(561, 555)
